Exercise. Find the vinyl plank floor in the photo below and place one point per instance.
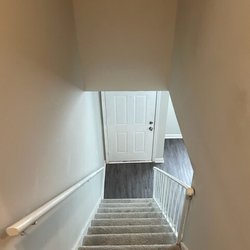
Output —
(135, 180)
(129, 180)
(176, 160)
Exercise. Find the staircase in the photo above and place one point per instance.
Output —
(132, 224)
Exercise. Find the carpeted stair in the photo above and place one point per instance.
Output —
(129, 224)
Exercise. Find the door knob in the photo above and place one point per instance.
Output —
(151, 122)
(150, 128)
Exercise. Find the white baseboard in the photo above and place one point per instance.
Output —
(125, 162)
(86, 226)
(173, 136)
(84, 231)
(159, 160)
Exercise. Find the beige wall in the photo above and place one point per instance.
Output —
(50, 130)
(211, 94)
(125, 44)
(172, 125)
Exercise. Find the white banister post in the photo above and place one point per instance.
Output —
(185, 211)
(154, 183)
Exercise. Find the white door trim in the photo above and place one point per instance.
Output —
(105, 130)
(156, 125)
(156, 128)
(173, 136)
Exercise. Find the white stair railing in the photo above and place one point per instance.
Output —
(31, 219)
(173, 198)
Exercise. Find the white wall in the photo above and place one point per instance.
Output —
(172, 125)
(125, 44)
(211, 95)
(50, 132)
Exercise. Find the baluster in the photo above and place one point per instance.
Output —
(165, 195)
(158, 187)
(181, 208)
(154, 186)
(173, 198)
(161, 190)
(170, 200)
(176, 208)
(173, 204)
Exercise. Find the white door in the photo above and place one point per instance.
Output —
(129, 124)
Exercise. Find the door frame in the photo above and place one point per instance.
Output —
(155, 138)
(156, 128)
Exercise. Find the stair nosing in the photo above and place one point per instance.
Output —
(132, 213)
(130, 208)
(128, 199)
(131, 219)
(127, 234)
(121, 203)
(120, 246)
(131, 226)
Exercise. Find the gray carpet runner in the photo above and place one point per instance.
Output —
(129, 224)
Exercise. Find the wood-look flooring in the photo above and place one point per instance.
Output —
(176, 160)
(135, 180)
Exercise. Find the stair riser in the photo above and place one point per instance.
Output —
(114, 205)
(127, 200)
(127, 209)
(129, 229)
(128, 239)
(127, 215)
(148, 247)
(124, 222)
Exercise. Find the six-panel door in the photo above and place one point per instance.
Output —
(130, 118)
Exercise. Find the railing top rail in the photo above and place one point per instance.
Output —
(31, 218)
(173, 178)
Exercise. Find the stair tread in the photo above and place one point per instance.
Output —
(129, 239)
(129, 215)
(132, 226)
(127, 209)
(129, 234)
(134, 213)
(123, 219)
(129, 229)
(133, 247)
(127, 200)
(130, 221)
(134, 204)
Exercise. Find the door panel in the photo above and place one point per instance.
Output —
(120, 105)
(122, 142)
(139, 141)
(127, 125)
(140, 109)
